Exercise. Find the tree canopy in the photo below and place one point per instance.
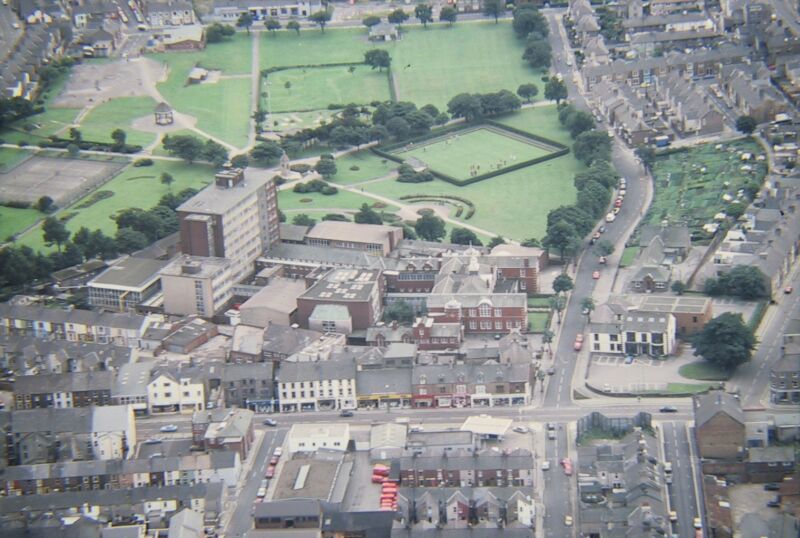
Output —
(528, 91)
(424, 13)
(592, 146)
(429, 227)
(528, 19)
(494, 8)
(367, 215)
(726, 341)
(562, 283)
(464, 236)
(555, 90)
(320, 18)
(378, 58)
(746, 124)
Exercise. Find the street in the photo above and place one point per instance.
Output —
(559, 488)
(682, 497)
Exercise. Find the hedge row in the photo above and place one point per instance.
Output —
(63, 143)
(265, 72)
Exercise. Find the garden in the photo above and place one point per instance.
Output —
(694, 185)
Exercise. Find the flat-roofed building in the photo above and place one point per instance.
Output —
(310, 437)
(126, 284)
(236, 218)
(373, 238)
(357, 290)
(199, 286)
(275, 303)
(691, 313)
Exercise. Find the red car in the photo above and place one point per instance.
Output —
(566, 463)
(273, 460)
(270, 471)
(596, 275)
(578, 343)
(618, 202)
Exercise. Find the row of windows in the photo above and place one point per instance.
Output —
(498, 325)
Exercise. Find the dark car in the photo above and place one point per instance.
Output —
(774, 503)
(668, 409)
(772, 487)
(346, 413)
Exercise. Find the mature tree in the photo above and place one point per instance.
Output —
(494, 8)
(245, 21)
(293, 25)
(168, 180)
(398, 127)
(495, 241)
(367, 215)
(465, 105)
(577, 217)
(594, 198)
(591, 146)
(326, 168)
(646, 154)
(429, 227)
(735, 210)
(55, 232)
(130, 240)
(320, 18)
(73, 150)
(215, 153)
(587, 306)
(335, 217)
(538, 53)
(118, 136)
(399, 311)
(448, 14)
(746, 124)
(266, 153)
(430, 110)
(424, 13)
(500, 102)
(154, 224)
(725, 341)
(547, 338)
(398, 16)
(601, 172)
(371, 20)
(559, 236)
(555, 90)
(272, 25)
(562, 283)
(604, 247)
(464, 236)
(527, 19)
(16, 108)
(44, 204)
(579, 122)
(378, 132)
(378, 58)
(102, 246)
(678, 287)
(187, 147)
(217, 32)
(240, 161)
(746, 282)
(528, 91)
(75, 134)
(303, 220)
(419, 122)
(557, 305)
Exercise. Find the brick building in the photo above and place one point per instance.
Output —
(63, 391)
(719, 426)
(359, 291)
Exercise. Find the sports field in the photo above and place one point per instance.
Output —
(118, 113)
(316, 88)
(133, 187)
(429, 65)
(466, 154)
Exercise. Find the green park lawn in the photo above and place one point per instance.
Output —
(118, 113)
(291, 201)
(429, 65)
(14, 220)
(628, 255)
(538, 321)
(690, 184)
(315, 89)
(298, 120)
(370, 166)
(53, 121)
(483, 148)
(133, 187)
(540, 120)
(703, 371)
(11, 157)
(222, 109)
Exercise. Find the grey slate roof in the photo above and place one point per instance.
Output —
(708, 405)
(318, 370)
(67, 382)
(77, 316)
(384, 381)
(282, 340)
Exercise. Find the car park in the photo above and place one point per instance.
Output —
(169, 428)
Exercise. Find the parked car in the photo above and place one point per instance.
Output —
(669, 409)
(697, 523)
(273, 460)
(551, 371)
(278, 451)
(169, 428)
(602, 260)
(774, 503)
(788, 289)
(551, 425)
(262, 492)
(578, 343)
(568, 521)
(618, 203)
(596, 275)
(602, 229)
(566, 463)
(673, 515)
(521, 429)
(596, 235)
(772, 486)
(152, 441)
(270, 472)
(629, 359)
(346, 413)
(270, 422)
(546, 465)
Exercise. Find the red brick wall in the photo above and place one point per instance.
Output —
(721, 437)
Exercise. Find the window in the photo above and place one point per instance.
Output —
(630, 337)
(498, 313)
(485, 310)
(613, 337)
(473, 312)
(498, 325)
